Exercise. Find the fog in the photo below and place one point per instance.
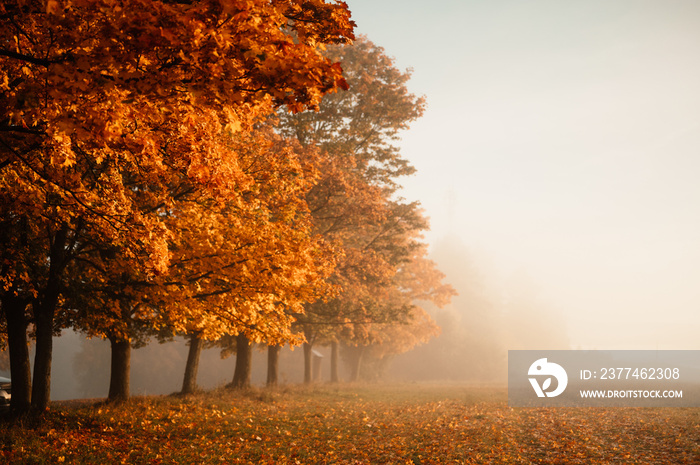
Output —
(81, 367)
(560, 146)
(485, 320)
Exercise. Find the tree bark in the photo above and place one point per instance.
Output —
(189, 384)
(244, 360)
(44, 311)
(273, 358)
(20, 368)
(120, 370)
(307, 363)
(334, 362)
(41, 388)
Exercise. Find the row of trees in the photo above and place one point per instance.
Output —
(159, 176)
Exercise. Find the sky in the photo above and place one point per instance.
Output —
(562, 141)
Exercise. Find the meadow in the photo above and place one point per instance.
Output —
(348, 424)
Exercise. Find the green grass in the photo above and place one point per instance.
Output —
(412, 424)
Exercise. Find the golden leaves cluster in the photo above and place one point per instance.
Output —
(135, 125)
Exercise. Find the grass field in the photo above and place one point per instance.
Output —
(411, 424)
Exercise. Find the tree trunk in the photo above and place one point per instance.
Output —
(273, 358)
(20, 368)
(356, 362)
(244, 360)
(334, 362)
(189, 384)
(41, 388)
(44, 311)
(120, 370)
(307, 363)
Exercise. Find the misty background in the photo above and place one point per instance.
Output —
(561, 146)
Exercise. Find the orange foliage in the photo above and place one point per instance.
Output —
(250, 264)
(245, 264)
(113, 110)
(104, 103)
(352, 206)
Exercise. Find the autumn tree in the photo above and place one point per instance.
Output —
(341, 203)
(19, 259)
(401, 302)
(357, 132)
(103, 103)
(384, 274)
(238, 267)
(471, 343)
(250, 264)
(363, 124)
(103, 298)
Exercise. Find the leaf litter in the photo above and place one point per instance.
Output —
(352, 424)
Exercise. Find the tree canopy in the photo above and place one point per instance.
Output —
(112, 110)
(354, 205)
(204, 167)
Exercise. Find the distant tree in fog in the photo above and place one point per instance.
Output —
(471, 344)
(353, 204)
(486, 319)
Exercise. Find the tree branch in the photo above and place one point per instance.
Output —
(34, 60)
